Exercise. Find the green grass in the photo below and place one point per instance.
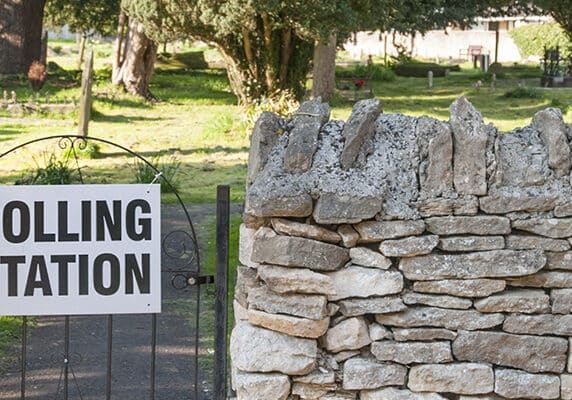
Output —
(10, 330)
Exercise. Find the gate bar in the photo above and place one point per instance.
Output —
(153, 353)
(66, 355)
(221, 291)
(109, 356)
(23, 357)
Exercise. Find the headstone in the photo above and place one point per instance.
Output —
(430, 79)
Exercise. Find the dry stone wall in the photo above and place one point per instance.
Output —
(399, 258)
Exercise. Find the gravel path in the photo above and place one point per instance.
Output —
(131, 360)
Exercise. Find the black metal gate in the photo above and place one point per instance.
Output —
(159, 356)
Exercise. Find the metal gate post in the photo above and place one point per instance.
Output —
(221, 291)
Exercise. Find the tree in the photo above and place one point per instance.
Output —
(20, 34)
(560, 10)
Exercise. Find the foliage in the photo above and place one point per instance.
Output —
(532, 39)
(523, 92)
(10, 328)
(282, 102)
(420, 69)
(96, 16)
(56, 171)
(375, 72)
(89, 150)
(560, 10)
(169, 170)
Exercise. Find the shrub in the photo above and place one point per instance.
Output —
(523, 92)
(374, 72)
(90, 151)
(420, 69)
(169, 170)
(532, 39)
(281, 102)
(56, 171)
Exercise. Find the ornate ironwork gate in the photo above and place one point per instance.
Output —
(161, 356)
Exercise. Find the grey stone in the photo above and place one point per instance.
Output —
(303, 138)
(359, 132)
(320, 376)
(339, 395)
(292, 326)
(412, 352)
(360, 374)
(378, 332)
(516, 301)
(507, 200)
(470, 142)
(350, 334)
(335, 208)
(308, 231)
(461, 378)
(245, 246)
(551, 227)
(305, 306)
(376, 231)
(527, 242)
(529, 353)
(486, 264)
(405, 335)
(415, 317)
(346, 355)
(513, 384)
(240, 312)
(553, 133)
(559, 260)
(550, 279)
(477, 225)
(270, 204)
(566, 387)
(372, 305)
(563, 210)
(409, 247)
(295, 280)
(292, 251)
(464, 205)
(254, 349)
(539, 324)
(365, 282)
(255, 386)
(369, 258)
(311, 391)
(471, 243)
(264, 137)
(349, 235)
(410, 298)
(397, 394)
(561, 301)
(436, 153)
(462, 287)
(246, 280)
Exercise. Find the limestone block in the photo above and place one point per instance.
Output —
(350, 334)
(525, 242)
(411, 298)
(303, 138)
(514, 384)
(569, 365)
(259, 203)
(365, 282)
(255, 349)
(566, 387)
(553, 133)
(462, 287)
(319, 376)
(539, 324)
(376, 231)
(293, 326)
(550, 279)
(505, 200)
(485, 264)
(561, 301)
(563, 210)
(469, 143)
(335, 208)
(464, 205)
(264, 137)
(305, 306)
(436, 151)
(295, 280)
(460, 378)
(360, 374)
(245, 246)
(378, 332)
(559, 260)
(369, 258)
(359, 132)
(240, 312)
(291, 251)
(529, 353)
(516, 301)
(426, 334)
(477, 225)
(409, 247)
(397, 394)
(311, 391)
(308, 231)
(254, 386)
(415, 317)
(412, 352)
(372, 305)
(551, 227)
(349, 235)
(471, 243)
(339, 395)
(246, 280)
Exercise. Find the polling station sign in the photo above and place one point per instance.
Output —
(80, 249)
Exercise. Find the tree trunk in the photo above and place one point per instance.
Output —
(82, 43)
(324, 70)
(20, 34)
(138, 62)
(118, 49)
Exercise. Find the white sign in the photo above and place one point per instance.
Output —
(80, 249)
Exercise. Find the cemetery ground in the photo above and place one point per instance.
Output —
(199, 134)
